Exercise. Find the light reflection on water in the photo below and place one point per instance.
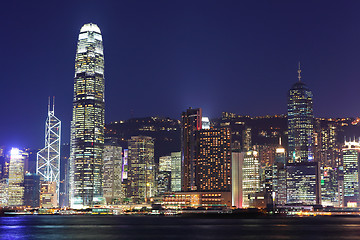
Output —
(147, 227)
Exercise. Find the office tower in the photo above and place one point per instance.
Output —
(165, 164)
(251, 176)
(326, 150)
(125, 165)
(64, 175)
(191, 124)
(112, 174)
(87, 125)
(163, 180)
(166, 133)
(5, 163)
(350, 154)
(246, 139)
(3, 192)
(205, 122)
(213, 168)
(141, 169)
(279, 177)
(48, 194)
(303, 183)
(48, 158)
(329, 187)
(16, 178)
(32, 190)
(300, 122)
(176, 171)
(163, 177)
(237, 161)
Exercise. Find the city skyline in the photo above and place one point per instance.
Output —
(235, 47)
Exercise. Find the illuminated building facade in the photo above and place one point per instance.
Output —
(16, 178)
(246, 139)
(213, 168)
(237, 159)
(300, 123)
(329, 187)
(251, 176)
(87, 126)
(191, 124)
(32, 190)
(197, 199)
(165, 164)
(48, 158)
(163, 180)
(141, 169)
(176, 171)
(3, 192)
(327, 151)
(350, 152)
(303, 183)
(279, 177)
(112, 174)
(48, 194)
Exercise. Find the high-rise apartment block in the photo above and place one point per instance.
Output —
(87, 125)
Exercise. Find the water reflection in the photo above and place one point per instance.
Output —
(131, 227)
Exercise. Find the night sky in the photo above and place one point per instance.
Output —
(162, 57)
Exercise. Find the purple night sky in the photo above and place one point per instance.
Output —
(163, 56)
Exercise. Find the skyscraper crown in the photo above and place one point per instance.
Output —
(90, 27)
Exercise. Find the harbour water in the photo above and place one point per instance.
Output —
(150, 227)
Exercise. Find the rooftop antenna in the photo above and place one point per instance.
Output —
(299, 72)
(49, 104)
(53, 109)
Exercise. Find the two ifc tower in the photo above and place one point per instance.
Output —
(87, 128)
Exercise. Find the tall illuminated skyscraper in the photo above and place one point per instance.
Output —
(191, 124)
(213, 166)
(48, 158)
(87, 126)
(351, 156)
(16, 178)
(141, 167)
(300, 122)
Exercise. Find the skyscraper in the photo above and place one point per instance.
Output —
(300, 122)
(48, 158)
(213, 166)
(251, 176)
(191, 124)
(176, 171)
(16, 178)
(112, 174)
(141, 169)
(351, 156)
(303, 183)
(87, 126)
